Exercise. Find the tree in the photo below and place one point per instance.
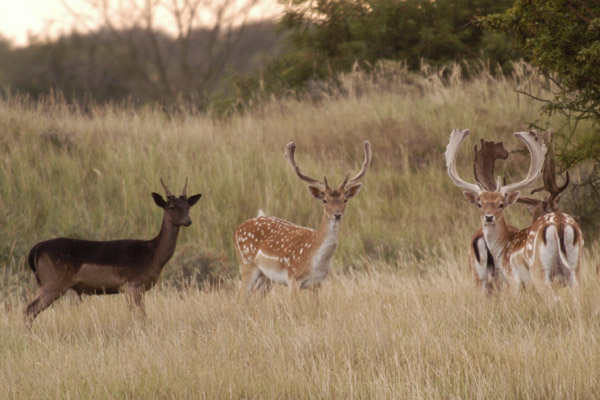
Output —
(562, 38)
(206, 33)
(329, 36)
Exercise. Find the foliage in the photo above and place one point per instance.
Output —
(121, 66)
(326, 37)
(65, 172)
(562, 38)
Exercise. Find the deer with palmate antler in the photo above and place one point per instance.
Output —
(274, 250)
(487, 273)
(128, 266)
(550, 247)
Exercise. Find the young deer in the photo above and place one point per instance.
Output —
(550, 247)
(128, 266)
(273, 250)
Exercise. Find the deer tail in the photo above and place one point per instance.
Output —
(33, 259)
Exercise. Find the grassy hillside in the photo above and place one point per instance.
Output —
(66, 173)
(397, 319)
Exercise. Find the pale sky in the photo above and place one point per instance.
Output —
(19, 18)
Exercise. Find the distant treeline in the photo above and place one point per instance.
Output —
(322, 39)
(136, 65)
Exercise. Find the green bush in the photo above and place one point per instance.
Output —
(326, 37)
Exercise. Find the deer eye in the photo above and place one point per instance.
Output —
(325, 201)
(501, 205)
(345, 200)
(171, 207)
(478, 205)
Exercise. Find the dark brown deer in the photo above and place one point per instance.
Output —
(121, 266)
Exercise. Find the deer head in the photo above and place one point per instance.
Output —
(492, 203)
(334, 199)
(177, 209)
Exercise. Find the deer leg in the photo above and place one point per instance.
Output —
(294, 288)
(315, 290)
(135, 298)
(79, 299)
(540, 275)
(43, 299)
(250, 276)
(263, 284)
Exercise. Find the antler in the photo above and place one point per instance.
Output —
(167, 191)
(456, 138)
(365, 165)
(549, 176)
(363, 170)
(537, 149)
(290, 149)
(483, 163)
(184, 187)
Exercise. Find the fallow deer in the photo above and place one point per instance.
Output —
(551, 246)
(274, 250)
(486, 271)
(89, 267)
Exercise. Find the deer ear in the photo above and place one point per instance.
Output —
(471, 197)
(353, 190)
(193, 199)
(511, 198)
(159, 200)
(316, 192)
(530, 208)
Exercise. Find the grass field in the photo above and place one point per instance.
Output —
(397, 319)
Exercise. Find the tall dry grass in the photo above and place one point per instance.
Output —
(397, 319)
(370, 334)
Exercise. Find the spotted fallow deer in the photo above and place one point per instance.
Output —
(486, 271)
(274, 250)
(88, 267)
(550, 247)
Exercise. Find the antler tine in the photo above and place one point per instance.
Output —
(290, 149)
(345, 181)
(184, 187)
(483, 163)
(365, 165)
(456, 138)
(537, 149)
(167, 191)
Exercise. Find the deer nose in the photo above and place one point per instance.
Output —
(337, 215)
(489, 218)
(187, 221)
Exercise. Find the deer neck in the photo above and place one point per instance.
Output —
(165, 244)
(326, 240)
(497, 237)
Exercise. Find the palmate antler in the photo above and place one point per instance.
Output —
(537, 149)
(290, 151)
(550, 202)
(532, 140)
(456, 138)
(484, 161)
